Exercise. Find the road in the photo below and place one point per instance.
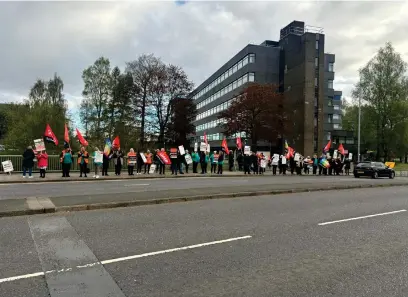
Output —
(334, 243)
(181, 185)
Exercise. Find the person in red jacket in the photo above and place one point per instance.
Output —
(42, 159)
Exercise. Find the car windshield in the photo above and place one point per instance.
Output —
(365, 165)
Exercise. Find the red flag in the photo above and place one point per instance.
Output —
(49, 136)
(239, 143)
(290, 152)
(225, 146)
(81, 139)
(327, 147)
(116, 142)
(66, 136)
(341, 149)
(205, 138)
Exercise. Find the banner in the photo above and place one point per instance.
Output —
(49, 136)
(350, 156)
(283, 160)
(335, 153)
(164, 158)
(142, 155)
(247, 150)
(98, 157)
(188, 158)
(275, 159)
(195, 146)
(181, 149)
(7, 166)
(297, 157)
(173, 153)
(263, 163)
(132, 159)
(152, 169)
(203, 147)
(39, 145)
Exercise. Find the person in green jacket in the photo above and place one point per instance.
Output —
(196, 160)
(220, 162)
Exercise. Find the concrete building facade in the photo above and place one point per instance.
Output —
(298, 64)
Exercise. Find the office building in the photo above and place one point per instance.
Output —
(296, 63)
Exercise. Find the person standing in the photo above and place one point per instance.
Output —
(214, 161)
(148, 163)
(42, 159)
(83, 159)
(118, 160)
(66, 160)
(98, 161)
(28, 162)
(247, 164)
(347, 166)
(315, 163)
(162, 164)
(240, 160)
(275, 164)
(284, 163)
(220, 162)
(185, 162)
(254, 162)
(180, 162)
(204, 160)
(231, 161)
(174, 161)
(196, 159)
(106, 161)
(139, 163)
(131, 160)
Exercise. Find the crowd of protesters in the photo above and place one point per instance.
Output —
(198, 162)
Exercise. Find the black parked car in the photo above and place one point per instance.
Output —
(374, 170)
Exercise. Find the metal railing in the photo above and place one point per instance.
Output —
(53, 163)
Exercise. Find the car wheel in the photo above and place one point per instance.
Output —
(392, 175)
(375, 175)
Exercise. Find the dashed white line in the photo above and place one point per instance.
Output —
(363, 217)
(31, 275)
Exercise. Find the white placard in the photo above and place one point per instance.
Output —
(247, 150)
(275, 159)
(335, 154)
(327, 155)
(208, 148)
(142, 155)
(7, 166)
(181, 149)
(297, 157)
(263, 163)
(152, 169)
(188, 159)
(203, 147)
(195, 146)
(350, 156)
(98, 157)
(283, 160)
(39, 145)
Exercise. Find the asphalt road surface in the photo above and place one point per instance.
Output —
(335, 243)
(110, 187)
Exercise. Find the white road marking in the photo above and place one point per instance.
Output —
(189, 247)
(363, 217)
(134, 185)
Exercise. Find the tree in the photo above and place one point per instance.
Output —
(383, 90)
(97, 86)
(144, 72)
(257, 111)
(183, 113)
(170, 82)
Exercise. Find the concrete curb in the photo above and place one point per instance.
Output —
(48, 207)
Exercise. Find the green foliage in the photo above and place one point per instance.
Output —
(383, 93)
(27, 121)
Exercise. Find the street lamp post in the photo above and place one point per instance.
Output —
(359, 127)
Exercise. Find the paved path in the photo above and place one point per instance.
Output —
(345, 243)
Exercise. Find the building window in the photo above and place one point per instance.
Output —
(336, 107)
(251, 76)
(342, 139)
(329, 118)
(330, 84)
(331, 67)
(336, 126)
(317, 44)
(328, 136)
(251, 58)
(316, 62)
(336, 117)
(349, 140)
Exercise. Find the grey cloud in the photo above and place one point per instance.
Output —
(65, 37)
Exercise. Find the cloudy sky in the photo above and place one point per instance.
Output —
(41, 38)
